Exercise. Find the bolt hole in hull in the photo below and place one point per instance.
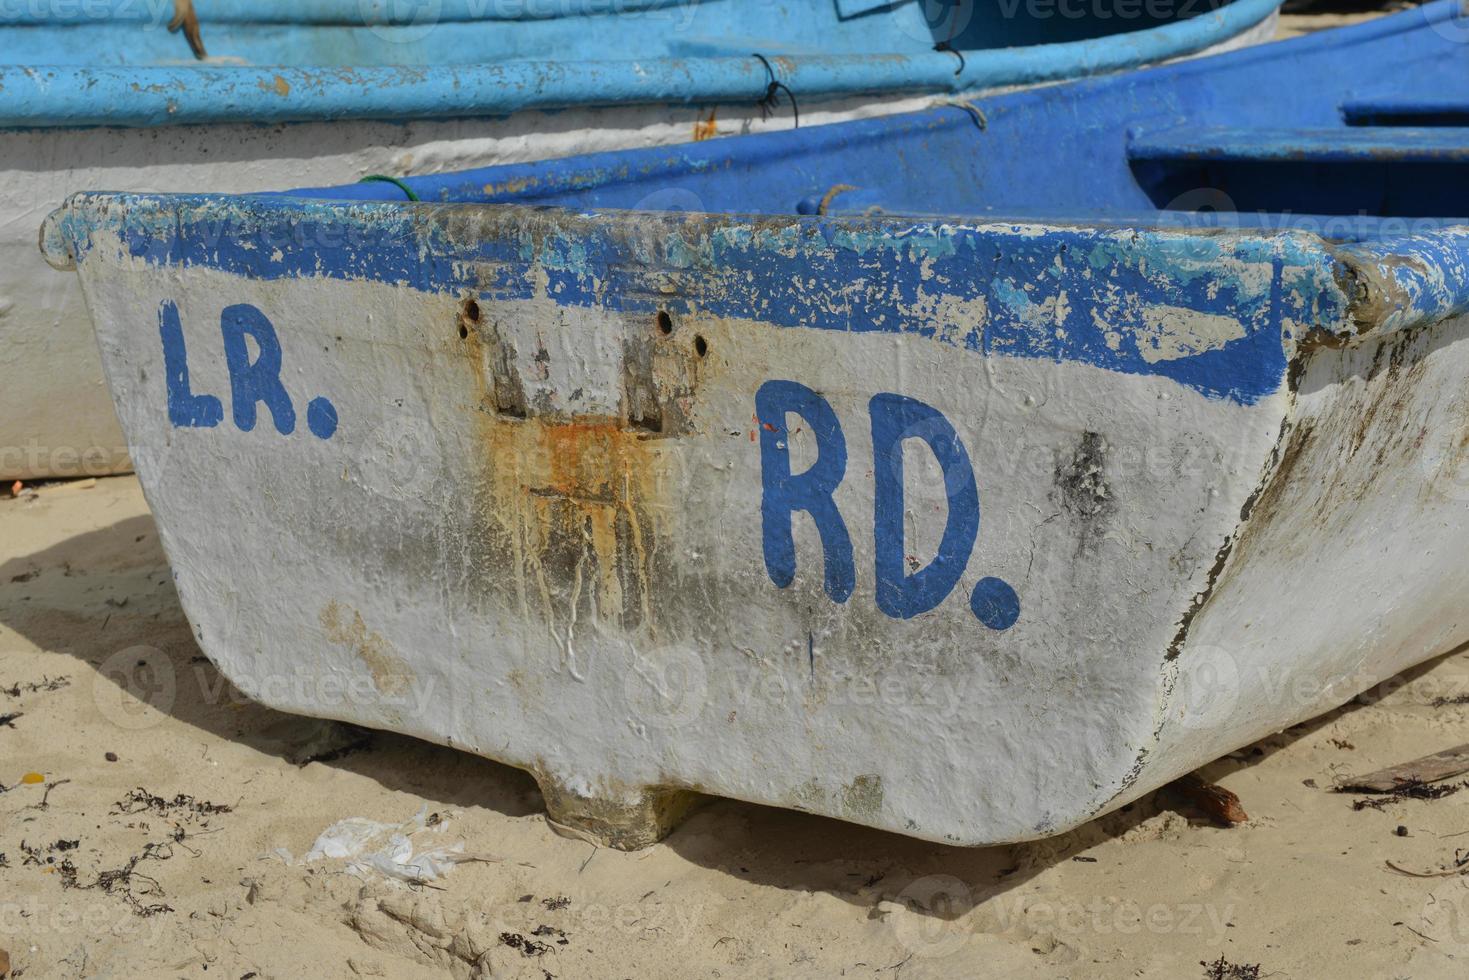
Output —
(1012, 506)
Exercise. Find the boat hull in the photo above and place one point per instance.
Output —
(965, 532)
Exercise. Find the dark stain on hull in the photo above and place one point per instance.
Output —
(1083, 492)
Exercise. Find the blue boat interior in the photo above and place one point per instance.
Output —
(1354, 133)
(346, 33)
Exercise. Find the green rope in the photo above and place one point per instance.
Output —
(384, 178)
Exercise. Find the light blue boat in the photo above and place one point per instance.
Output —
(112, 62)
(102, 95)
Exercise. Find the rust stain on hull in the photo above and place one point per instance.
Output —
(568, 509)
(706, 128)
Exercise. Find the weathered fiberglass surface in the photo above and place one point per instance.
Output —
(962, 526)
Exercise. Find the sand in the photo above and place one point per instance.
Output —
(97, 658)
(1325, 14)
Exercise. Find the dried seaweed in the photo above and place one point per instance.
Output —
(527, 947)
(1222, 969)
(1412, 790)
(127, 882)
(44, 684)
(39, 856)
(140, 800)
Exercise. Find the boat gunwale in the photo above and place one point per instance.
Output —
(441, 239)
(46, 97)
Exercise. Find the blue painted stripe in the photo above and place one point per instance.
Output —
(1059, 295)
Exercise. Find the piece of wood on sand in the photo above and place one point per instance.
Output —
(1218, 803)
(1428, 769)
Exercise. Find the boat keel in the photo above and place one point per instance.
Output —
(625, 819)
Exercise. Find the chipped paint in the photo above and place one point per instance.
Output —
(1049, 304)
(1170, 332)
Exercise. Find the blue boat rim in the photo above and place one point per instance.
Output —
(40, 96)
(1310, 286)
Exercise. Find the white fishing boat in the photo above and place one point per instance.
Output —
(838, 480)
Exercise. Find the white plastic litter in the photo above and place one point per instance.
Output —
(390, 850)
(398, 860)
(347, 838)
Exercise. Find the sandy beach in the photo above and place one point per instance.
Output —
(154, 823)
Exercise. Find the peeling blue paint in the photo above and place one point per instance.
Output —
(1045, 294)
